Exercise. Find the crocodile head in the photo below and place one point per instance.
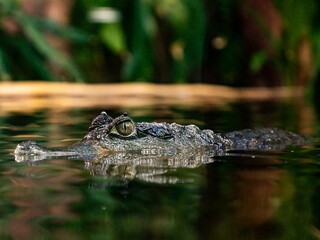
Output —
(109, 135)
(123, 134)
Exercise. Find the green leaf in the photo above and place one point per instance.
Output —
(257, 61)
(4, 74)
(75, 34)
(43, 46)
(35, 62)
(113, 37)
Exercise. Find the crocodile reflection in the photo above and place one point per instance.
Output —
(131, 165)
(148, 168)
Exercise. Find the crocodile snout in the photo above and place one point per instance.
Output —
(29, 148)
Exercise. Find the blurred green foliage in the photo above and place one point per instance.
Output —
(167, 41)
(159, 41)
(25, 53)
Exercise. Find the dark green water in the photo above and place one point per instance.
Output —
(270, 196)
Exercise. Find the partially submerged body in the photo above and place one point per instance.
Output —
(109, 135)
(118, 147)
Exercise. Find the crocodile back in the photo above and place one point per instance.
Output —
(265, 139)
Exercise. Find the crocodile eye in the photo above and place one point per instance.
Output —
(125, 128)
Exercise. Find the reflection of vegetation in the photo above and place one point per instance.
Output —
(224, 42)
(260, 202)
(138, 211)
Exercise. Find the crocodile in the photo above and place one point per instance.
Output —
(122, 136)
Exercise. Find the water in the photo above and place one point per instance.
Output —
(260, 196)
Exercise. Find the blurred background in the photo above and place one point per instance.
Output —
(234, 43)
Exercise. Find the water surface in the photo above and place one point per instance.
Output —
(258, 196)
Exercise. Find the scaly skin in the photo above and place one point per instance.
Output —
(109, 135)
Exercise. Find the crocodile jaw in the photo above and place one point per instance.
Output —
(29, 148)
(32, 151)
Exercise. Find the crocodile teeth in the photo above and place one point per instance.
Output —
(149, 151)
